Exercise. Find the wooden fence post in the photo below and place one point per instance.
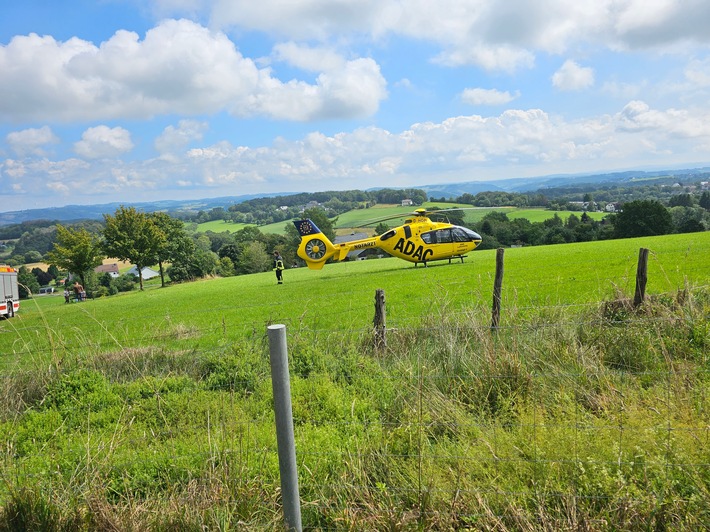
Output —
(497, 286)
(380, 321)
(641, 277)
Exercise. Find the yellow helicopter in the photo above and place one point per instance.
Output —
(418, 240)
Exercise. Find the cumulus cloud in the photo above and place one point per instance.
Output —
(103, 142)
(572, 77)
(173, 139)
(492, 34)
(31, 141)
(461, 147)
(487, 96)
(180, 67)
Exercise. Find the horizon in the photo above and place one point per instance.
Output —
(171, 100)
(245, 197)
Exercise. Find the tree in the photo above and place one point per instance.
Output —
(681, 200)
(381, 228)
(76, 251)
(705, 200)
(174, 240)
(642, 218)
(131, 235)
(43, 277)
(254, 258)
(27, 283)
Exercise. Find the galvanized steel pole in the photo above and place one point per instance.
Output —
(281, 385)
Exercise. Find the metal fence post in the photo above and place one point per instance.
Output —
(281, 385)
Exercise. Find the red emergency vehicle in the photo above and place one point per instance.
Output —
(10, 302)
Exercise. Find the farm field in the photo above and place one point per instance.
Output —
(153, 410)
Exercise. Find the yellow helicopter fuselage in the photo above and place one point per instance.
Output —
(418, 240)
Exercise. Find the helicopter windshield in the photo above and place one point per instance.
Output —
(463, 234)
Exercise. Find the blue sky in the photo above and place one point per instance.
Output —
(137, 100)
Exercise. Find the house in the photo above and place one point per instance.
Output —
(111, 269)
(148, 273)
(407, 203)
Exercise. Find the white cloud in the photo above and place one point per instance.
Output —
(180, 67)
(308, 58)
(103, 142)
(173, 139)
(354, 90)
(638, 116)
(488, 33)
(479, 96)
(523, 142)
(571, 77)
(31, 141)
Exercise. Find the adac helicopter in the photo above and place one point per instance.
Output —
(418, 240)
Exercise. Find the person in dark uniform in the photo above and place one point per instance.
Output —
(279, 267)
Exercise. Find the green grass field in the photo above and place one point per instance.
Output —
(340, 296)
(220, 226)
(154, 410)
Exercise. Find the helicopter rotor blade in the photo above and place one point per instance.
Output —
(419, 212)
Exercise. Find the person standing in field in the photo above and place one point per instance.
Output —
(78, 290)
(279, 267)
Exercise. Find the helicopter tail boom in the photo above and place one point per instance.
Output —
(316, 249)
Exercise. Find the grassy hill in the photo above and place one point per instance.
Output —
(360, 217)
(153, 410)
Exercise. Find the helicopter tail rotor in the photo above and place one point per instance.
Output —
(315, 247)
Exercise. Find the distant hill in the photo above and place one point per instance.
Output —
(95, 212)
(450, 190)
(531, 184)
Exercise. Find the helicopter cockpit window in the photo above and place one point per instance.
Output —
(443, 236)
(429, 238)
(461, 235)
(466, 234)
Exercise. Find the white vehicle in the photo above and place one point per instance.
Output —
(10, 302)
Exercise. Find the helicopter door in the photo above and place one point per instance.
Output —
(445, 243)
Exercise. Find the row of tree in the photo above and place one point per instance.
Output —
(148, 239)
(638, 218)
(144, 239)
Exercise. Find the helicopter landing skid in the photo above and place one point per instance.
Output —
(452, 257)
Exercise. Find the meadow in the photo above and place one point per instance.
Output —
(153, 409)
(365, 217)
